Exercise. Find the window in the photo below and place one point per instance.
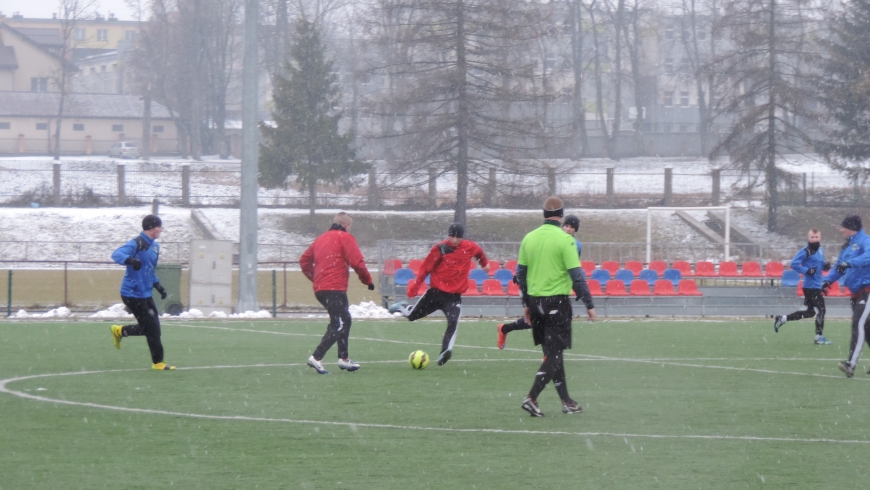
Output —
(685, 35)
(666, 128)
(684, 99)
(702, 35)
(669, 66)
(683, 128)
(79, 34)
(39, 84)
(78, 127)
(551, 62)
(130, 35)
(117, 127)
(669, 33)
(5, 125)
(669, 98)
(42, 126)
(102, 34)
(157, 129)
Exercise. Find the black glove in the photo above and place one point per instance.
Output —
(842, 266)
(444, 248)
(811, 271)
(372, 287)
(826, 266)
(133, 262)
(825, 286)
(160, 289)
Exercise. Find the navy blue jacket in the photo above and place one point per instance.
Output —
(138, 284)
(804, 261)
(857, 254)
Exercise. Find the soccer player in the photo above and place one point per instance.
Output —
(140, 256)
(325, 263)
(448, 265)
(810, 261)
(853, 266)
(547, 268)
(569, 226)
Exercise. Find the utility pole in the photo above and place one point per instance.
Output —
(248, 206)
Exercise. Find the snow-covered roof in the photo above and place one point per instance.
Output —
(94, 106)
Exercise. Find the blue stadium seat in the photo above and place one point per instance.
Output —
(790, 278)
(601, 275)
(478, 275)
(624, 275)
(649, 276)
(504, 276)
(403, 276)
(672, 275)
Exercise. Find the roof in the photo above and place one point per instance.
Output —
(46, 37)
(8, 61)
(83, 106)
(41, 47)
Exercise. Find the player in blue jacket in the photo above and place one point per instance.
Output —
(810, 261)
(570, 226)
(140, 256)
(853, 267)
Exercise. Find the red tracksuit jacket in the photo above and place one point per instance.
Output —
(326, 261)
(449, 272)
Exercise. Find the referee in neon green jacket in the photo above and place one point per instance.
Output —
(547, 269)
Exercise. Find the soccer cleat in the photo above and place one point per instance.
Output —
(317, 365)
(502, 337)
(348, 365)
(116, 335)
(780, 321)
(571, 407)
(162, 366)
(444, 357)
(402, 307)
(822, 340)
(847, 368)
(532, 407)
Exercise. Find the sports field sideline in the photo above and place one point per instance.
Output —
(667, 404)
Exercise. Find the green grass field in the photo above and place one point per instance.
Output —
(667, 405)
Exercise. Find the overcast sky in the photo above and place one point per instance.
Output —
(44, 8)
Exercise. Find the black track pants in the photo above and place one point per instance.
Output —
(336, 305)
(148, 320)
(815, 304)
(450, 303)
(860, 327)
(551, 324)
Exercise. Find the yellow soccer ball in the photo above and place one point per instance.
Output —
(418, 359)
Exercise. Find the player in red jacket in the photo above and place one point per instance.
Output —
(325, 263)
(447, 264)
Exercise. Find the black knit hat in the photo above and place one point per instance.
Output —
(572, 221)
(852, 222)
(151, 221)
(456, 230)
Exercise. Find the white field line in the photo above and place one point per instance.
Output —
(355, 425)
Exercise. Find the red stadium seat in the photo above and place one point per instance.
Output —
(415, 265)
(634, 266)
(845, 292)
(728, 269)
(659, 266)
(493, 266)
(664, 287)
(513, 289)
(472, 289)
(704, 269)
(688, 287)
(390, 266)
(640, 287)
(511, 265)
(492, 287)
(594, 287)
(610, 266)
(588, 266)
(773, 269)
(835, 290)
(800, 288)
(684, 267)
(751, 269)
(615, 288)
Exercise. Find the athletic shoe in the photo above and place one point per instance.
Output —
(116, 335)
(502, 337)
(317, 365)
(348, 365)
(847, 368)
(401, 307)
(444, 357)
(532, 407)
(780, 321)
(821, 340)
(571, 407)
(162, 366)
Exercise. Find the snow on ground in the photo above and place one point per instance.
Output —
(368, 309)
(115, 311)
(62, 312)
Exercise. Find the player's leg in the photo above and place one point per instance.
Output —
(780, 320)
(148, 326)
(429, 303)
(342, 309)
(860, 312)
(506, 328)
(817, 303)
(452, 308)
(328, 300)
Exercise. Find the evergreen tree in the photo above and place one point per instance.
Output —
(304, 138)
(846, 90)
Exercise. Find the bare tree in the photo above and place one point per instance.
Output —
(578, 102)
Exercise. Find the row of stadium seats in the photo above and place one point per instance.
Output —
(613, 287)
(834, 290)
(748, 269)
